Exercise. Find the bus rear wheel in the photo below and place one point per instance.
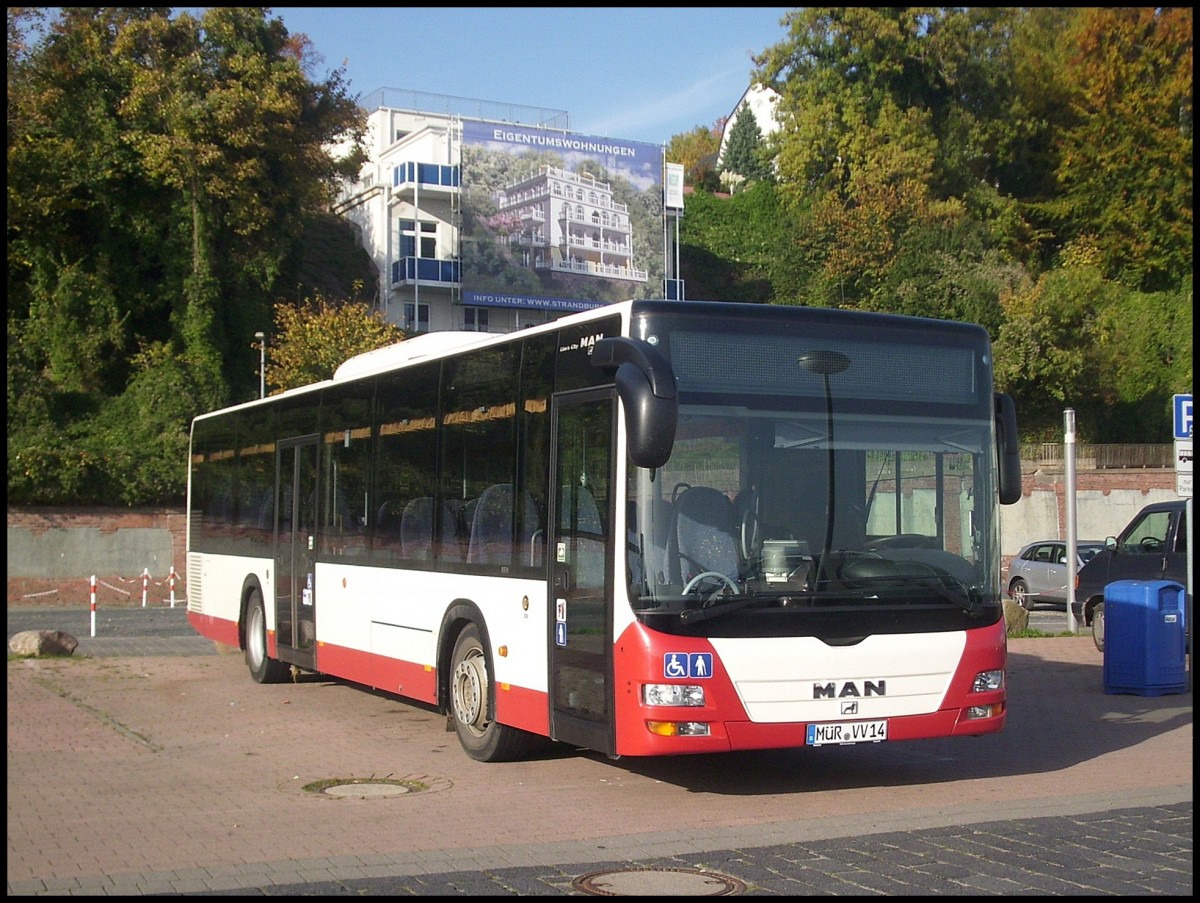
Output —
(481, 737)
(263, 669)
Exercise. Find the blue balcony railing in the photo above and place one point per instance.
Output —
(433, 174)
(412, 269)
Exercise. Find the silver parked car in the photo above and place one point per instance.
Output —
(1038, 573)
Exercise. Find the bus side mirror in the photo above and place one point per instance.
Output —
(1008, 449)
(646, 385)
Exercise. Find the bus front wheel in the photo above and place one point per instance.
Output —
(481, 737)
(263, 669)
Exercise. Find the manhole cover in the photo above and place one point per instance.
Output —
(366, 790)
(668, 882)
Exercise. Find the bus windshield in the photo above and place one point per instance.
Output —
(812, 487)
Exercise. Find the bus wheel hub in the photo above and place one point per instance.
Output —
(468, 694)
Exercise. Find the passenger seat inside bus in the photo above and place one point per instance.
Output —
(416, 531)
(491, 539)
(705, 536)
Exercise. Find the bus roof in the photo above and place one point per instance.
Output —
(414, 349)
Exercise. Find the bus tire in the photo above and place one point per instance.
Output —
(470, 680)
(263, 669)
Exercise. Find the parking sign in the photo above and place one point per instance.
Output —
(1183, 446)
(1183, 416)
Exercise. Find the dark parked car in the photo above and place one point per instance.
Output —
(1152, 547)
(1038, 572)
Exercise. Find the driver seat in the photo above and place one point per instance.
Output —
(705, 536)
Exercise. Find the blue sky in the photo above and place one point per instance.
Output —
(642, 74)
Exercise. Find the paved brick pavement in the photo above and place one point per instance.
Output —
(172, 773)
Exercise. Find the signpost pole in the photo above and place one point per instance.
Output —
(1183, 488)
(1072, 541)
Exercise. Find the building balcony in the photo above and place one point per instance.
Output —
(608, 247)
(410, 176)
(591, 268)
(426, 271)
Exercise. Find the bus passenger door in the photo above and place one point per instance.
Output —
(581, 555)
(296, 551)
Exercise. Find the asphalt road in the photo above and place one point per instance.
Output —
(170, 772)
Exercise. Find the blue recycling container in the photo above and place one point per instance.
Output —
(1145, 636)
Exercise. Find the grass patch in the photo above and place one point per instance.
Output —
(1030, 633)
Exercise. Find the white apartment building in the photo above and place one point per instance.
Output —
(493, 217)
(554, 209)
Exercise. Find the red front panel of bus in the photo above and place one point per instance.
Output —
(639, 659)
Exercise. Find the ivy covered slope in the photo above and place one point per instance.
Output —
(167, 178)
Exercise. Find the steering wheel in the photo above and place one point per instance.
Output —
(1151, 544)
(716, 576)
(751, 531)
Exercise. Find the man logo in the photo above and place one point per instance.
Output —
(850, 689)
(849, 708)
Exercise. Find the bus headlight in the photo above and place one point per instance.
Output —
(672, 694)
(988, 680)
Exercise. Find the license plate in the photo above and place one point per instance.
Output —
(846, 732)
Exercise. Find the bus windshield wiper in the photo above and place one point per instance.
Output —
(690, 615)
(959, 595)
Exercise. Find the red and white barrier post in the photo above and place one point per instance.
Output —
(145, 584)
(171, 580)
(93, 604)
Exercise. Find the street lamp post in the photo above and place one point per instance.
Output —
(262, 363)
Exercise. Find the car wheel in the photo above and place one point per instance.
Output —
(1098, 626)
(1020, 594)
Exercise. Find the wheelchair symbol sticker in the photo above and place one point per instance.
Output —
(678, 665)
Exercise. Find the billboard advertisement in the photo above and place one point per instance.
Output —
(559, 221)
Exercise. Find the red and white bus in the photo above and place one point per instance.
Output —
(653, 528)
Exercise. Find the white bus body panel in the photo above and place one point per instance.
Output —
(774, 677)
(398, 613)
(215, 585)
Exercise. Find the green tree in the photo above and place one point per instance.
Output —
(1125, 166)
(1046, 352)
(745, 157)
(891, 130)
(1145, 357)
(162, 171)
(313, 339)
(697, 152)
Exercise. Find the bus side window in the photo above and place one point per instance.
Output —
(417, 528)
(491, 527)
(491, 539)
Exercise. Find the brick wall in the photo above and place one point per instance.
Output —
(53, 553)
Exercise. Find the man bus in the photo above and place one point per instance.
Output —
(653, 528)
